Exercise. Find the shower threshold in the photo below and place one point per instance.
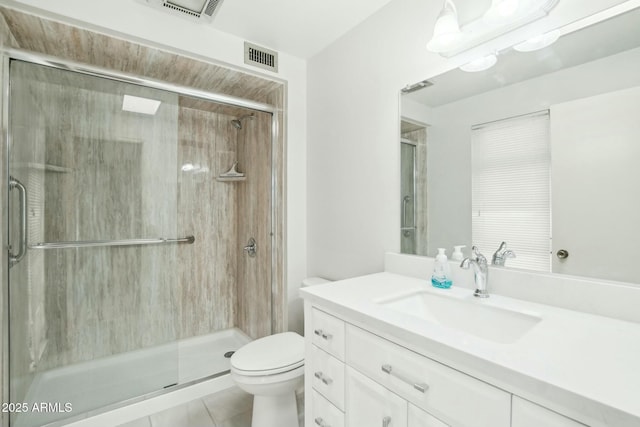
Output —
(80, 390)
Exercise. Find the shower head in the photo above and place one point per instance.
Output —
(237, 123)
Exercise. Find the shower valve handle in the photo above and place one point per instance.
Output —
(251, 248)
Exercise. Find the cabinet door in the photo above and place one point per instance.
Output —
(419, 418)
(527, 414)
(371, 405)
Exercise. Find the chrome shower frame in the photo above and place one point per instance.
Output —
(277, 183)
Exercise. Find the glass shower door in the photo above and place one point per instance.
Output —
(93, 166)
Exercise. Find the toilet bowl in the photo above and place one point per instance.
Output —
(271, 368)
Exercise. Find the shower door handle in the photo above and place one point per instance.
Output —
(22, 248)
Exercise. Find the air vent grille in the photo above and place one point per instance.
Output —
(211, 7)
(260, 57)
(181, 9)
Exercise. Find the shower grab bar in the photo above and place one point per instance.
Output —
(22, 249)
(103, 243)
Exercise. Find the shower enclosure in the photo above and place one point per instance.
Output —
(129, 204)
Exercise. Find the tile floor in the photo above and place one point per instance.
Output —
(227, 408)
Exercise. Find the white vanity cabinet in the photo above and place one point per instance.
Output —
(527, 414)
(355, 378)
(324, 370)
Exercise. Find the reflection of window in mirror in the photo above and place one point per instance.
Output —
(510, 195)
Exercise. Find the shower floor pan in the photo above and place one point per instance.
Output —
(89, 386)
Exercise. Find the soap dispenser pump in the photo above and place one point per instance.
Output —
(457, 254)
(441, 277)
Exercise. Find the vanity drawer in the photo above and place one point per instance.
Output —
(328, 376)
(419, 418)
(449, 395)
(324, 414)
(328, 333)
(527, 414)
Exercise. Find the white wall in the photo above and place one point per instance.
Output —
(137, 22)
(353, 128)
(595, 175)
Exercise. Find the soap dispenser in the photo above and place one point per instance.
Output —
(457, 254)
(441, 277)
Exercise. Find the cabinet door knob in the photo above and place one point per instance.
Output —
(322, 334)
(319, 421)
(386, 421)
(562, 254)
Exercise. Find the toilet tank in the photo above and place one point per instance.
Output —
(296, 311)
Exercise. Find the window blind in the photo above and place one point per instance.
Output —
(511, 196)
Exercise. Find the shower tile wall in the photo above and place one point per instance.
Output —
(254, 274)
(208, 210)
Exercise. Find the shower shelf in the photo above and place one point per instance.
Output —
(103, 243)
(232, 174)
(231, 178)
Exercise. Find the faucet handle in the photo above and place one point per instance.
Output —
(475, 251)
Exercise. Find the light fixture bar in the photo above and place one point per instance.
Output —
(483, 30)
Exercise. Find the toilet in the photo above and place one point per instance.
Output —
(271, 369)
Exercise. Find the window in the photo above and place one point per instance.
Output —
(511, 196)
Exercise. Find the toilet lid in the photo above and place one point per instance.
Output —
(270, 355)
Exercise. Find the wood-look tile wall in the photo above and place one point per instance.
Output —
(218, 286)
(254, 220)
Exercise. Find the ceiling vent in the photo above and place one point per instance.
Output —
(416, 86)
(200, 10)
(260, 57)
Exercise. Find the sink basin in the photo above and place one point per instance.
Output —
(469, 315)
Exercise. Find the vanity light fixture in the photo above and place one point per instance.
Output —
(503, 16)
(136, 104)
(501, 10)
(538, 42)
(480, 64)
(446, 31)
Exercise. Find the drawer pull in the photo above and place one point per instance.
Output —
(319, 375)
(386, 421)
(321, 422)
(321, 333)
(421, 387)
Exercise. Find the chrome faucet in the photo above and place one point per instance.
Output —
(501, 255)
(480, 272)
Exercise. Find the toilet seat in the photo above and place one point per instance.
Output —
(271, 355)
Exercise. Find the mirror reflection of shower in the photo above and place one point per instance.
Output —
(237, 123)
(413, 187)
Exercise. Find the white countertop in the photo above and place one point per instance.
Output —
(582, 365)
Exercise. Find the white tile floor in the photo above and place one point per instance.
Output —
(227, 408)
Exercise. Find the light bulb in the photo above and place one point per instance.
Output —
(501, 10)
(446, 31)
(480, 64)
(538, 42)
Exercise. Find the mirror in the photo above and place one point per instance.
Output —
(541, 151)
